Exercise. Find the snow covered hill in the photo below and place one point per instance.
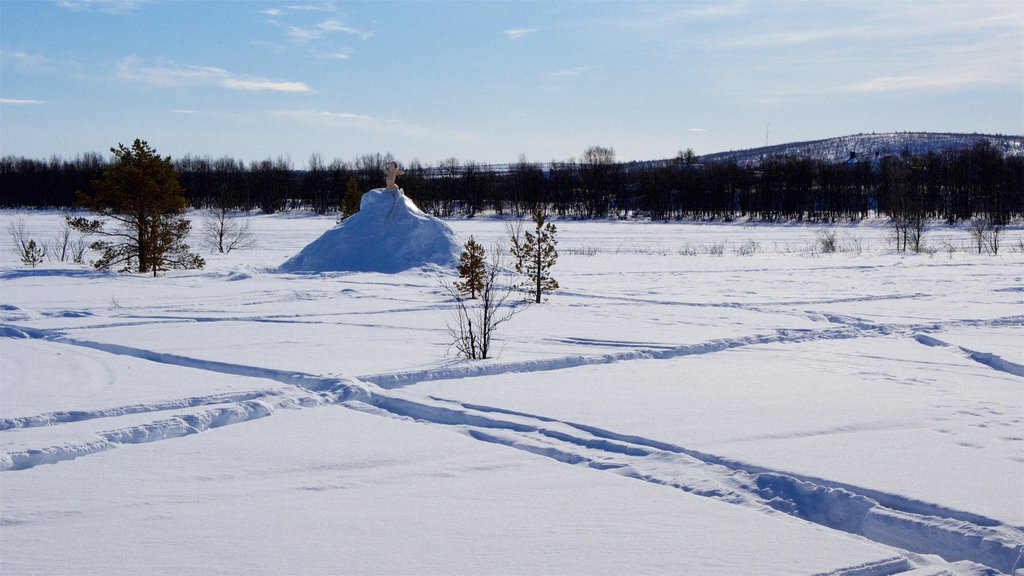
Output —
(388, 234)
(867, 146)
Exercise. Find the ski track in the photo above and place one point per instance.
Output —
(993, 361)
(915, 526)
(63, 417)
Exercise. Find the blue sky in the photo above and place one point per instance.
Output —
(494, 81)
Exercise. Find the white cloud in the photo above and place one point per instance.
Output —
(325, 28)
(321, 7)
(168, 73)
(696, 130)
(108, 6)
(29, 60)
(271, 11)
(391, 127)
(517, 33)
(21, 102)
(337, 55)
(265, 85)
(917, 82)
(575, 71)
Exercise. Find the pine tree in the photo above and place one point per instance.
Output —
(33, 254)
(471, 268)
(535, 255)
(141, 193)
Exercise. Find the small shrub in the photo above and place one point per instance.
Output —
(827, 242)
(30, 253)
(472, 327)
(748, 248)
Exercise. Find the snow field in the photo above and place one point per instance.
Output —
(662, 413)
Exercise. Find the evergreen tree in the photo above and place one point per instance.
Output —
(140, 192)
(32, 254)
(471, 268)
(535, 256)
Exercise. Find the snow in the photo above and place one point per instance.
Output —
(668, 410)
(388, 234)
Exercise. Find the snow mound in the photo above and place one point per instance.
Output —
(389, 234)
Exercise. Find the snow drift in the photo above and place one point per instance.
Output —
(389, 234)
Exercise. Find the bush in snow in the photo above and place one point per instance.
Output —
(30, 253)
(472, 327)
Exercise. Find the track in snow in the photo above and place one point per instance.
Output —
(914, 526)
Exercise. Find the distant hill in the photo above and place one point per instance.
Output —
(867, 146)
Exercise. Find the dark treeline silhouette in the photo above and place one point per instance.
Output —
(952, 185)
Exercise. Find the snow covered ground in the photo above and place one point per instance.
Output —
(695, 399)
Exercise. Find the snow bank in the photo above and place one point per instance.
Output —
(389, 234)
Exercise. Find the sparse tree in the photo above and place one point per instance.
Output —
(472, 327)
(535, 256)
(141, 194)
(223, 232)
(979, 231)
(471, 268)
(65, 248)
(986, 235)
(993, 238)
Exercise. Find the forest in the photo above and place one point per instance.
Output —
(951, 185)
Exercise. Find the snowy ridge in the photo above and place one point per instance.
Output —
(872, 145)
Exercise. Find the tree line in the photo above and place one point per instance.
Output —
(951, 185)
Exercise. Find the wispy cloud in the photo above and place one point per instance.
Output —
(574, 71)
(314, 7)
(391, 127)
(517, 33)
(716, 10)
(107, 6)
(34, 61)
(256, 85)
(325, 28)
(168, 73)
(336, 55)
(696, 130)
(21, 102)
(919, 82)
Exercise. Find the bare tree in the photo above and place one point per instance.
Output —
(224, 233)
(985, 235)
(65, 247)
(472, 326)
